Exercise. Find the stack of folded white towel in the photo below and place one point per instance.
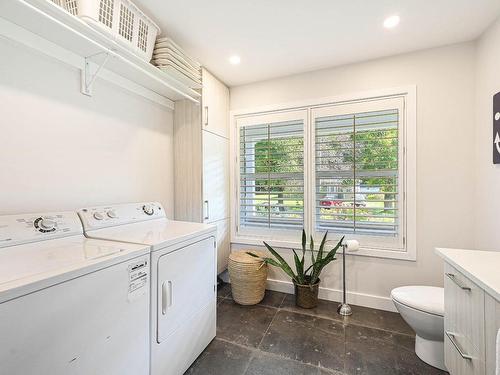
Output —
(170, 58)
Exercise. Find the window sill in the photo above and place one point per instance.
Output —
(369, 251)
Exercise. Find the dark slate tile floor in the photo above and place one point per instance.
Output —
(277, 338)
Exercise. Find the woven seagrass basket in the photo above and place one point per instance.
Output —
(248, 277)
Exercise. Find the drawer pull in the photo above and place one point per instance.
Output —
(452, 278)
(451, 336)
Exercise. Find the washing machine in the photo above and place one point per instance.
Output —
(183, 277)
(70, 305)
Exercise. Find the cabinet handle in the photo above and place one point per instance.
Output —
(451, 336)
(206, 115)
(207, 216)
(460, 285)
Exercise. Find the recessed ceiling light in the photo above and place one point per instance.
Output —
(235, 59)
(391, 22)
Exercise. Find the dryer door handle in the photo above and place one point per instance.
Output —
(166, 296)
(207, 211)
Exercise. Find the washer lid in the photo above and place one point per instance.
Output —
(429, 299)
(29, 267)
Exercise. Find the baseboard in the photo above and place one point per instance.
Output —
(360, 299)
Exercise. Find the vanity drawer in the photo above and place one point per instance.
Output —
(464, 307)
(461, 357)
(463, 324)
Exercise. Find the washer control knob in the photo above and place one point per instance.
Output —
(98, 216)
(45, 225)
(148, 209)
(48, 224)
(111, 214)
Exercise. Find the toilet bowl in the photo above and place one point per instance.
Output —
(422, 307)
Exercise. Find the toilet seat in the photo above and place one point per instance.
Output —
(428, 299)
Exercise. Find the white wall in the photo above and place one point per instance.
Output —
(445, 157)
(60, 150)
(487, 176)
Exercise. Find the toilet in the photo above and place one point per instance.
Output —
(422, 307)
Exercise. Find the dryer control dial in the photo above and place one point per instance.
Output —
(111, 214)
(98, 216)
(148, 209)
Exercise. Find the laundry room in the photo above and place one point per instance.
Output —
(249, 188)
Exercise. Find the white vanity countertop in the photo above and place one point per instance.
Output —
(482, 267)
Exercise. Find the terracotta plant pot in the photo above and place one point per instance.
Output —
(306, 296)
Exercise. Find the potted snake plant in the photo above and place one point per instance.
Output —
(305, 280)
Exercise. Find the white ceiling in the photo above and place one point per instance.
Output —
(281, 37)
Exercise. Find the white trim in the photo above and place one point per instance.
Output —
(325, 101)
(410, 170)
(365, 251)
(353, 298)
(410, 177)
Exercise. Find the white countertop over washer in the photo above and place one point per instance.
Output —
(482, 267)
(52, 255)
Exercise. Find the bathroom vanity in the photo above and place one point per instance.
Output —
(471, 310)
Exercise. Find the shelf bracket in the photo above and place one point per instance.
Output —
(89, 75)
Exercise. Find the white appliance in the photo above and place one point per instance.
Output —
(70, 305)
(183, 274)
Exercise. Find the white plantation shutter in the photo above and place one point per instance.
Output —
(271, 173)
(358, 174)
(343, 168)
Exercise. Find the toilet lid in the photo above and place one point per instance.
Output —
(428, 299)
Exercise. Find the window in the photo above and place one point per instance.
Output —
(357, 170)
(271, 175)
(345, 168)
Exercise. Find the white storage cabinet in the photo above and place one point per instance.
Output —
(215, 102)
(201, 149)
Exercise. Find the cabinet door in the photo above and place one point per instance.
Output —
(215, 99)
(188, 166)
(463, 324)
(215, 178)
(492, 325)
(185, 285)
(223, 244)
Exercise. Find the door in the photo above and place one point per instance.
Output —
(215, 99)
(186, 284)
(215, 178)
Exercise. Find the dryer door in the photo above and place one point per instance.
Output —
(186, 284)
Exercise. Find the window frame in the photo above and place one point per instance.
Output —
(256, 120)
(407, 250)
(376, 242)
